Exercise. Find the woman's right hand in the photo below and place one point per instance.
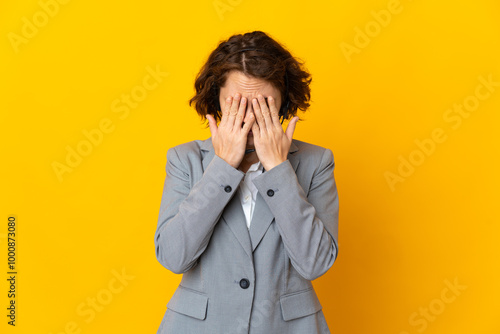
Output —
(229, 138)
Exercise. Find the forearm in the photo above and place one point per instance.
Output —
(186, 220)
(309, 235)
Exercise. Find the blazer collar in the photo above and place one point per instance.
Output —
(233, 214)
(206, 145)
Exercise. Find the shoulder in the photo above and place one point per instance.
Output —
(186, 151)
(313, 153)
(314, 159)
(191, 146)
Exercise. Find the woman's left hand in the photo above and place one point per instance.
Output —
(271, 143)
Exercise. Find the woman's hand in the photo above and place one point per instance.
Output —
(230, 139)
(271, 143)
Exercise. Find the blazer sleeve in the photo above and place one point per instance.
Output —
(188, 216)
(308, 225)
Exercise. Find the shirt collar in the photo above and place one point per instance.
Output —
(255, 166)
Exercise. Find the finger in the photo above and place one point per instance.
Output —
(291, 128)
(255, 127)
(241, 113)
(265, 111)
(274, 112)
(258, 115)
(249, 124)
(212, 124)
(233, 110)
(225, 113)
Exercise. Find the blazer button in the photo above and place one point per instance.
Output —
(228, 189)
(244, 283)
(270, 193)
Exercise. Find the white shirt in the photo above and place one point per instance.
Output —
(248, 192)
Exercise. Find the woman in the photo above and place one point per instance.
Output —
(249, 216)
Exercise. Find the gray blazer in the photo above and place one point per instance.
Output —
(237, 280)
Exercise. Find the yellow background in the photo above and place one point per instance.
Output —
(399, 245)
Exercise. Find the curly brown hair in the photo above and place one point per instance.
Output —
(270, 65)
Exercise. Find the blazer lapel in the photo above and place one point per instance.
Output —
(262, 215)
(233, 214)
